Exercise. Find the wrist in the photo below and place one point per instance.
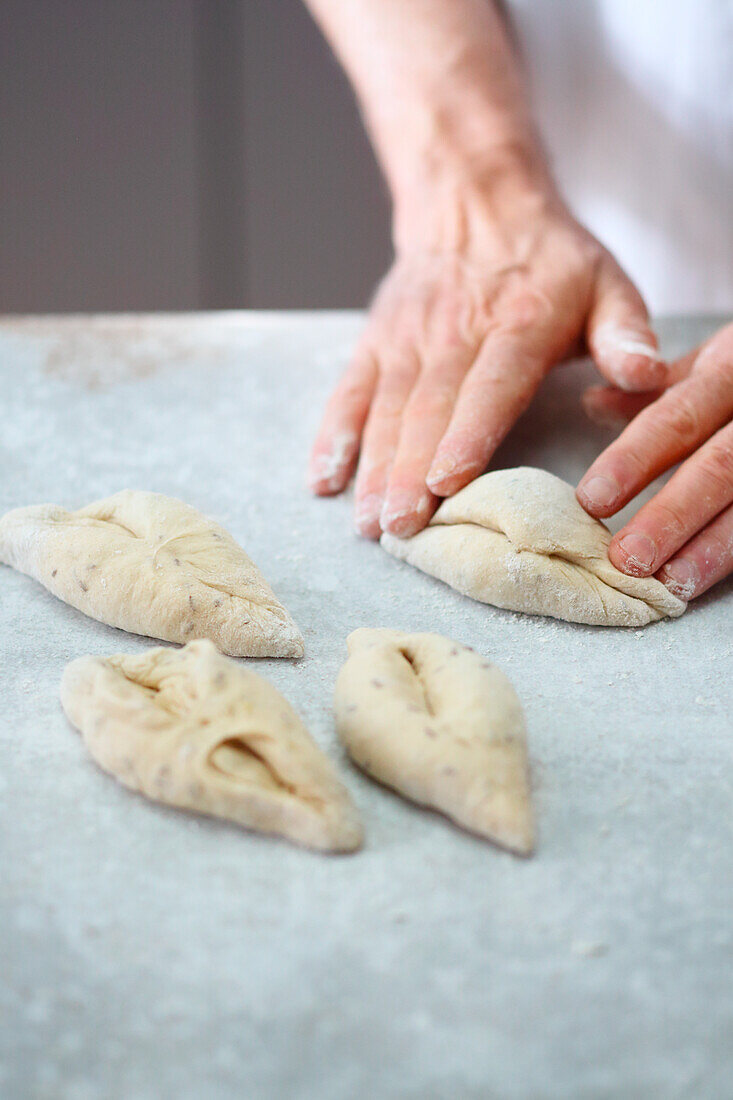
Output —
(449, 195)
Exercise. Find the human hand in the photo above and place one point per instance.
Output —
(486, 294)
(684, 535)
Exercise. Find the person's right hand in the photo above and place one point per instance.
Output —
(482, 300)
(684, 535)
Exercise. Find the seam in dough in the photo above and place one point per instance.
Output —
(193, 729)
(151, 565)
(519, 539)
(442, 726)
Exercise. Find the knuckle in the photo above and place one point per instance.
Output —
(717, 464)
(669, 520)
(523, 309)
(632, 466)
(454, 322)
(352, 392)
(357, 382)
(394, 389)
(363, 359)
(715, 377)
(448, 318)
(716, 357)
(432, 401)
(399, 369)
(678, 420)
(719, 551)
(389, 404)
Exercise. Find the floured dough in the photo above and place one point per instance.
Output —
(442, 726)
(191, 728)
(519, 539)
(151, 565)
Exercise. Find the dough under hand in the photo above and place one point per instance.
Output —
(151, 565)
(442, 726)
(193, 729)
(519, 539)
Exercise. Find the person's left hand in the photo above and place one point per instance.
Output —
(488, 291)
(684, 535)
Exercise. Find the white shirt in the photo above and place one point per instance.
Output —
(635, 102)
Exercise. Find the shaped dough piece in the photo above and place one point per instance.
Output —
(193, 729)
(442, 726)
(151, 565)
(519, 539)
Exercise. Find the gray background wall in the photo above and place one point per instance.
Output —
(180, 154)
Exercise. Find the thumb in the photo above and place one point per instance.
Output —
(610, 407)
(619, 335)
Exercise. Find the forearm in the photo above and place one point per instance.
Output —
(493, 280)
(441, 91)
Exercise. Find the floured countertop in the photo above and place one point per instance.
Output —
(149, 953)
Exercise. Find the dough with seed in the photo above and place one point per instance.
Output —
(519, 539)
(151, 565)
(194, 729)
(442, 726)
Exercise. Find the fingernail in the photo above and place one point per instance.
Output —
(323, 479)
(442, 467)
(600, 492)
(640, 553)
(401, 507)
(612, 337)
(681, 577)
(326, 469)
(634, 376)
(367, 512)
(632, 345)
(322, 466)
(624, 349)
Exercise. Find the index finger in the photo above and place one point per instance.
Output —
(494, 394)
(670, 429)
